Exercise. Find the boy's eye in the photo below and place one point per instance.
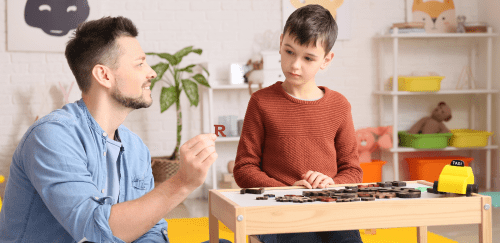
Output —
(289, 52)
(140, 64)
(309, 59)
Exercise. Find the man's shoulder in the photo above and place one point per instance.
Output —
(68, 116)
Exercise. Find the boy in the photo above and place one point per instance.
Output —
(296, 133)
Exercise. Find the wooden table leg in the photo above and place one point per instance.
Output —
(422, 234)
(240, 233)
(213, 224)
(485, 231)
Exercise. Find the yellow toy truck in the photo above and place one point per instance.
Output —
(456, 178)
(2, 179)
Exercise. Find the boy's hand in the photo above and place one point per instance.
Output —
(317, 179)
(303, 183)
(197, 155)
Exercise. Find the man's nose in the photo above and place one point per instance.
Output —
(153, 73)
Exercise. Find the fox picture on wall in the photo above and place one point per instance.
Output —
(438, 15)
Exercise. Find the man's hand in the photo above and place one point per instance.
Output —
(316, 179)
(197, 155)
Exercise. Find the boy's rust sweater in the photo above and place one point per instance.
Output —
(284, 137)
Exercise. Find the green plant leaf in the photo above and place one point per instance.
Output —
(198, 51)
(182, 53)
(160, 69)
(170, 58)
(201, 80)
(168, 97)
(191, 89)
(188, 69)
(208, 74)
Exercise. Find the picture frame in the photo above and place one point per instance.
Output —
(26, 30)
(343, 18)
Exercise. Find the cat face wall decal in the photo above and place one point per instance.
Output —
(438, 16)
(331, 5)
(56, 17)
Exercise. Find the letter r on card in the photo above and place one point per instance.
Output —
(219, 128)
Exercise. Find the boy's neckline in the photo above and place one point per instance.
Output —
(300, 100)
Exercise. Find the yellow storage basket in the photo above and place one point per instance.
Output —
(464, 138)
(419, 84)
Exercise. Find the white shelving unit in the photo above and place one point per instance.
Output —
(272, 73)
(395, 94)
(210, 91)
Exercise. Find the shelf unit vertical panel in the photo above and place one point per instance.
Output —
(210, 126)
(395, 87)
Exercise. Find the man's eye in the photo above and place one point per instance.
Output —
(309, 59)
(140, 64)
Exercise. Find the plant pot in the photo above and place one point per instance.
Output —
(163, 168)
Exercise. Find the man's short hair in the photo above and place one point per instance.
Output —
(94, 42)
(311, 23)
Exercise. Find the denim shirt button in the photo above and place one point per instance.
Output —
(104, 153)
(102, 190)
(164, 232)
(104, 134)
(96, 198)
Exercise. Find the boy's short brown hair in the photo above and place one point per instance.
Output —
(94, 42)
(311, 23)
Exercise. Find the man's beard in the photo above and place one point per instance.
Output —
(134, 103)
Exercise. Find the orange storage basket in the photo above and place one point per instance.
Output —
(429, 168)
(372, 172)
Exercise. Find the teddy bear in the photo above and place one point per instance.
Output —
(255, 75)
(371, 138)
(433, 123)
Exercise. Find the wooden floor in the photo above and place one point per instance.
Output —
(195, 208)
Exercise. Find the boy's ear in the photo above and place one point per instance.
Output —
(281, 42)
(102, 75)
(327, 60)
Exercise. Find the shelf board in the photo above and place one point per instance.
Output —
(404, 149)
(233, 86)
(465, 91)
(438, 35)
(227, 139)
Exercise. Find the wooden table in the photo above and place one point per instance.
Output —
(245, 215)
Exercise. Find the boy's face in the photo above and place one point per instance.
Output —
(133, 75)
(301, 63)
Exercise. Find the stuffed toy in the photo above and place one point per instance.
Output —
(256, 74)
(433, 123)
(372, 138)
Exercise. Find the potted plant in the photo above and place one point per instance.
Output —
(170, 95)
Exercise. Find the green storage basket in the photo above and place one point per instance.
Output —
(424, 141)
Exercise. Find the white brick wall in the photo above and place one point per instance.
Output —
(225, 30)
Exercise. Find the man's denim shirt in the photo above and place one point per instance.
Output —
(58, 171)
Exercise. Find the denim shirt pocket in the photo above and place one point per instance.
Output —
(140, 184)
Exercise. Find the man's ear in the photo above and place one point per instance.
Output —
(102, 75)
(327, 60)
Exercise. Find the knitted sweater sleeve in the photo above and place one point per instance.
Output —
(348, 168)
(247, 169)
